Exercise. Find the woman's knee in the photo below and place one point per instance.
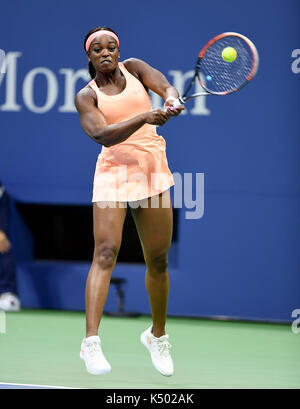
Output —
(158, 263)
(105, 255)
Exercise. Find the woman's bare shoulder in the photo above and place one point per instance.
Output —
(135, 66)
(86, 91)
(84, 96)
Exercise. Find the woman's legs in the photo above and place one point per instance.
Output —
(155, 226)
(108, 227)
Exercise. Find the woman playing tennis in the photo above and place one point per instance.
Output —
(115, 111)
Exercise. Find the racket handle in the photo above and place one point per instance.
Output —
(178, 102)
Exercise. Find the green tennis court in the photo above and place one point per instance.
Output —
(41, 347)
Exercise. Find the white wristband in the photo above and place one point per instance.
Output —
(170, 99)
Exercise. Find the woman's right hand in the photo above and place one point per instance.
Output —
(157, 117)
(4, 243)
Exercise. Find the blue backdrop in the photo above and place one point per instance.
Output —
(242, 257)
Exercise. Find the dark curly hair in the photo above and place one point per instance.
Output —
(92, 70)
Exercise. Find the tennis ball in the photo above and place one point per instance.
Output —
(229, 54)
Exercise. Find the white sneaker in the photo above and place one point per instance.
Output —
(92, 354)
(9, 302)
(159, 350)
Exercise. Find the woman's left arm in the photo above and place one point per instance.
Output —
(154, 80)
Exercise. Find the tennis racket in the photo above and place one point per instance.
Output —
(218, 77)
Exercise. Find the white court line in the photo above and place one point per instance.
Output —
(35, 385)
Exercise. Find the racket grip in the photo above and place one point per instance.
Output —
(178, 102)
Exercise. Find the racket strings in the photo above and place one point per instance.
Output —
(220, 76)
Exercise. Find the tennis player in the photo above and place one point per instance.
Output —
(115, 111)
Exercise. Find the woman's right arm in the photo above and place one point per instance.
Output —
(93, 122)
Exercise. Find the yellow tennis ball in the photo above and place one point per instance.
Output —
(229, 54)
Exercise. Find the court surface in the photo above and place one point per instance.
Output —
(42, 348)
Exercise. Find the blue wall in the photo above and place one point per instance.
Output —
(242, 257)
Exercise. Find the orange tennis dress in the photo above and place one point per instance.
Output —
(136, 168)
